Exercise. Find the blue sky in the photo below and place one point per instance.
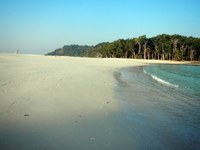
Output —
(40, 26)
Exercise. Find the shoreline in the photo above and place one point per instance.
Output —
(59, 98)
(157, 115)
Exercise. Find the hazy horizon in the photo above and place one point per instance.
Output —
(39, 27)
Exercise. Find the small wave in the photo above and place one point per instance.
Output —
(161, 80)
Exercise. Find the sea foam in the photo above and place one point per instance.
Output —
(161, 80)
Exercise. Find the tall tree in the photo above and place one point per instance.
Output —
(141, 41)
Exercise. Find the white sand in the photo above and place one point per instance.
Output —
(69, 102)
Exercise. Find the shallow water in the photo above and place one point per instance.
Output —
(159, 113)
(186, 77)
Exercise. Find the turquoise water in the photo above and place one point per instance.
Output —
(161, 106)
(185, 77)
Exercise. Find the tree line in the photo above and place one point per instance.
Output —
(161, 47)
(72, 50)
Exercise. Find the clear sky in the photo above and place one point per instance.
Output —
(40, 26)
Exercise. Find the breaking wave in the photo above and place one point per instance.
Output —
(161, 80)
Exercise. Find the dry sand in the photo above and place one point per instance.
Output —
(49, 102)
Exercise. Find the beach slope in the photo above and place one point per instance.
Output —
(49, 102)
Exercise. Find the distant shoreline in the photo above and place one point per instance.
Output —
(150, 60)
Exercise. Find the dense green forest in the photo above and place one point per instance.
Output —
(163, 47)
(72, 50)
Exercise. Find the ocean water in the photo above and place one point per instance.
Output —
(161, 106)
(185, 77)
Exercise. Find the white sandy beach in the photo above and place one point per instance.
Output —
(49, 102)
